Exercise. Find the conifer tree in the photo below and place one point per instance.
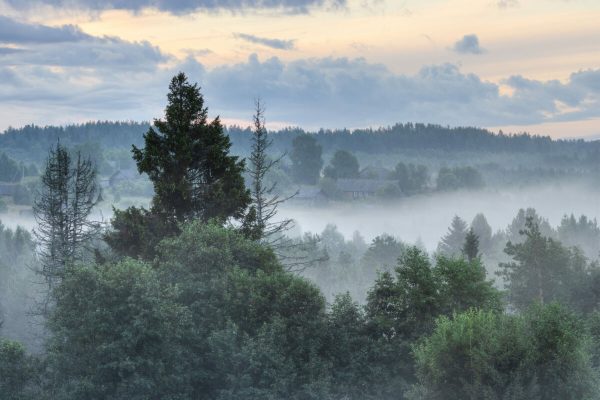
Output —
(187, 159)
(260, 224)
(451, 245)
(471, 247)
(68, 194)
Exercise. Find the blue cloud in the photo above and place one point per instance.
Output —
(318, 92)
(278, 44)
(12, 31)
(69, 46)
(183, 6)
(469, 44)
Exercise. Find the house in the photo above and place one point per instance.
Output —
(375, 172)
(309, 195)
(362, 188)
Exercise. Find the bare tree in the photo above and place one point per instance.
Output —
(265, 201)
(62, 208)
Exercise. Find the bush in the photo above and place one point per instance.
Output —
(542, 354)
(15, 370)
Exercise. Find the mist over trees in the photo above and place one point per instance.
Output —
(186, 298)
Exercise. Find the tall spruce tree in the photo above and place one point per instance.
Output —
(260, 223)
(64, 203)
(187, 159)
(451, 245)
(471, 247)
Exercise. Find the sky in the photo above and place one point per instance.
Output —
(511, 65)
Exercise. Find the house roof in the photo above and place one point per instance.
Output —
(376, 172)
(308, 192)
(363, 185)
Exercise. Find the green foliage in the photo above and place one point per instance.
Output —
(402, 309)
(16, 371)
(115, 334)
(519, 222)
(485, 355)
(471, 247)
(187, 159)
(194, 177)
(411, 178)
(542, 270)
(342, 165)
(307, 161)
(9, 169)
(135, 232)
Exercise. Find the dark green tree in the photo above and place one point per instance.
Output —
(542, 354)
(116, 334)
(307, 161)
(16, 371)
(343, 165)
(542, 270)
(411, 178)
(471, 247)
(401, 309)
(187, 159)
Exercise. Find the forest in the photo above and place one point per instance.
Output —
(201, 283)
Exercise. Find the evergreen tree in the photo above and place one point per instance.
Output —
(483, 230)
(68, 194)
(187, 159)
(542, 269)
(471, 247)
(451, 245)
(259, 223)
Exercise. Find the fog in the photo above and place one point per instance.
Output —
(425, 218)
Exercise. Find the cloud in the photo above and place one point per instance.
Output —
(504, 4)
(184, 6)
(69, 46)
(12, 31)
(317, 92)
(9, 50)
(278, 44)
(469, 44)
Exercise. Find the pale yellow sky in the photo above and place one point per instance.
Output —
(541, 40)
